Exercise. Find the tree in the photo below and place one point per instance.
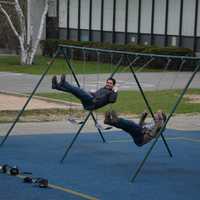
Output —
(24, 33)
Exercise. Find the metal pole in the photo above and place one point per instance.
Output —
(75, 137)
(70, 67)
(149, 108)
(133, 177)
(95, 122)
(29, 98)
(78, 84)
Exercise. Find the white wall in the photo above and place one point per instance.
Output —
(85, 12)
(174, 17)
(120, 15)
(188, 17)
(146, 8)
(73, 12)
(63, 13)
(133, 15)
(159, 16)
(96, 14)
(52, 11)
(108, 15)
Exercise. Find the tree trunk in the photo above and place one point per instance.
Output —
(27, 48)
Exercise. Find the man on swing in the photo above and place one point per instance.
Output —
(90, 100)
(141, 133)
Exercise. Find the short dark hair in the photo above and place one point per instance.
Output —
(112, 79)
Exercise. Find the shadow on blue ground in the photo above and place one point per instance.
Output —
(102, 170)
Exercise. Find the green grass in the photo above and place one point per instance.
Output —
(132, 102)
(12, 64)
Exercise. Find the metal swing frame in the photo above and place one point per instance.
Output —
(60, 50)
(112, 75)
(160, 134)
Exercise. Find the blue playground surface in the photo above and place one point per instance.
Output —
(97, 170)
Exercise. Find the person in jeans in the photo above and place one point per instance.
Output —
(90, 100)
(141, 133)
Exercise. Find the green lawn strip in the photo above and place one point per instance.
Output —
(12, 64)
(131, 102)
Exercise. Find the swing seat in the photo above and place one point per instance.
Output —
(99, 126)
(73, 121)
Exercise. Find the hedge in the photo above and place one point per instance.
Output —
(49, 47)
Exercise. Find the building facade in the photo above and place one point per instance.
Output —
(149, 22)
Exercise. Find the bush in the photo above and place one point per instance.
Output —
(49, 47)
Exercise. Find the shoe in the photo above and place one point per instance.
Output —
(54, 82)
(142, 118)
(107, 119)
(111, 118)
(62, 80)
(114, 117)
(160, 118)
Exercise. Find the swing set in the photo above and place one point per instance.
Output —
(135, 62)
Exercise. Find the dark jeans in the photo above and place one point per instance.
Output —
(85, 97)
(135, 130)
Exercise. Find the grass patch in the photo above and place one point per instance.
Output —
(12, 64)
(131, 102)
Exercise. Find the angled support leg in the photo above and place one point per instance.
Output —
(78, 84)
(30, 97)
(70, 67)
(75, 137)
(149, 108)
(95, 122)
(117, 67)
(133, 177)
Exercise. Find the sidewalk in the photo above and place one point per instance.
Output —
(181, 122)
(17, 101)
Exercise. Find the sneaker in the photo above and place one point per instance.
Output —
(62, 79)
(114, 117)
(111, 118)
(107, 119)
(54, 82)
(142, 118)
(160, 118)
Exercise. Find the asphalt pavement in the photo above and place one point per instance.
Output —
(25, 83)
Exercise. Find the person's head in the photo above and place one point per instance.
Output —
(110, 83)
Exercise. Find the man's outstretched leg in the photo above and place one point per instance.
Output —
(85, 97)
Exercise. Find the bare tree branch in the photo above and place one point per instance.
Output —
(7, 2)
(9, 21)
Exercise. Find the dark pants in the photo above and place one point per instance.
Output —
(85, 97)
(135, 130)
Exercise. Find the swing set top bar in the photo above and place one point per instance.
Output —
(130, 53)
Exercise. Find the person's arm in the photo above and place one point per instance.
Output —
(113, 97)
(92, 92)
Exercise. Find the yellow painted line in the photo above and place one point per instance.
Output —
(119, 141)
(84, 196)
(184, 138)
(56, 187)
